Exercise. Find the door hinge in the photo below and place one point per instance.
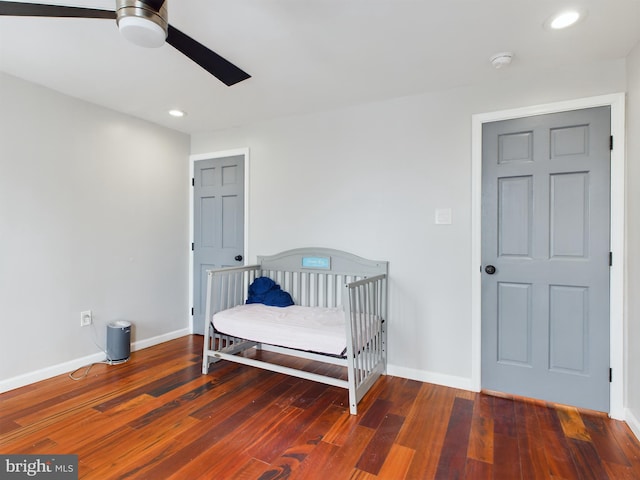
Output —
(610, 375)
(193, 182)
(191, 311)
(610, 259)
(611, 142)
(193, 246)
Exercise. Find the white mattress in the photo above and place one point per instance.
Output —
(315, 329)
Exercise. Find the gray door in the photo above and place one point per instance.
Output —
(218, 224)
(545, 231)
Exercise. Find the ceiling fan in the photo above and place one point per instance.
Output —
(143, 22)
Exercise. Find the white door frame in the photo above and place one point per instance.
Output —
(616, 290)
(208, 156)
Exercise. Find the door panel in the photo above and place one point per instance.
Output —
(568, 330)
(218, 223)
(545, 229)
(514, 323)
(569, 220)
(515, 210)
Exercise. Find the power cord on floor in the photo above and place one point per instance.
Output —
(106, 361)
(88, 367)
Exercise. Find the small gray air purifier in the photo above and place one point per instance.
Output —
(118, 341)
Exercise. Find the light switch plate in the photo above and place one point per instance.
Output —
(443, 216)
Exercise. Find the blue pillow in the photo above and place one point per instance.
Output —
(266, 291)
(278, 298)
(259, 288)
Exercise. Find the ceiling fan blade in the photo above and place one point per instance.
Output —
(222, 69)
(18, 9)
(155, 4)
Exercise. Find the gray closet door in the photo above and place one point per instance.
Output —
(545, 231)
(218, 224)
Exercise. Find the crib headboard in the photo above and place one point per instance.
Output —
(315, 276)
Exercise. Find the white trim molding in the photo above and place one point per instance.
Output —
(617, 103)
(451, 381)
(77, 363)
(207, 156)
(633, 422)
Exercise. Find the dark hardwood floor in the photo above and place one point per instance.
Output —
(157, 417)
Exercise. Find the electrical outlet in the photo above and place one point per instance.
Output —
(85, 318)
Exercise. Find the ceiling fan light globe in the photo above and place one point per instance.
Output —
(142, 32)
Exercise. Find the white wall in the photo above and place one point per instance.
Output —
(93, 216)
(633, 240)
(368, 180)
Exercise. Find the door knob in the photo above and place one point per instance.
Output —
(238, 258)
(490, 269)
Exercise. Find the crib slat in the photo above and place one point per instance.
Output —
(305, 300)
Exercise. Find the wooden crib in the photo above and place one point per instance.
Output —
(316, 278)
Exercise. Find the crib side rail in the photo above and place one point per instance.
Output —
(366, 310)
(228, 287)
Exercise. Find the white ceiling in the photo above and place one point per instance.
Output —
(305, 55)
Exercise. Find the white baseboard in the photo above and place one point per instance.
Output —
(633, 422)
(150, 342)
(463, 383)
(71, 365)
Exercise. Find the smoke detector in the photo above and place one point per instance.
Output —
(502, 59)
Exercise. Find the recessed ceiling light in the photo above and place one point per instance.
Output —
(177, 113)
(565, 19)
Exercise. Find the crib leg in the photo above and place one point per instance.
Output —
(206, 346)
(353, 397)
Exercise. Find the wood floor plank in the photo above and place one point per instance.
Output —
(339, 431)
(357, 474)
(316, 463)
(310, 425)
(428, 418)
(252, 470)
(557, 451)
(604, 440)
(481, 434)
(126, 449)
(453, 456)
(401, 396)
(572, 424)
(506, 451)
(221, 458)
(379, 446)
(425, 429)
(620, 472)
(628, 443)
(587, 461)
(396, 464)
(343, 460)
(236, 389)
(375, 414)
(533, 459)
(291, 459)
(301, 446)
(157, 417)
(139, 384)
(476, 469)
